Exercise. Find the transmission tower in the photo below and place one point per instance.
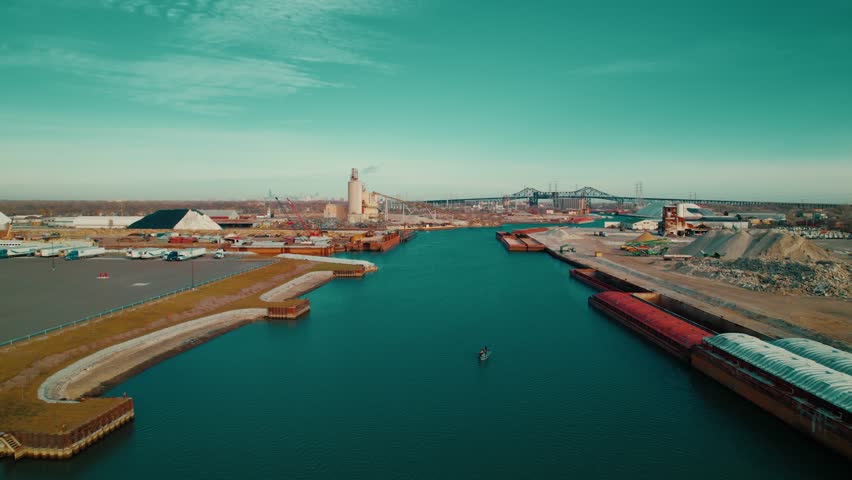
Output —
(639, 194)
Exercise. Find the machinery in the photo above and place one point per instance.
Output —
(287, 221)
(309, 229)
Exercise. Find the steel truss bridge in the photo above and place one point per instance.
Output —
(532, 196)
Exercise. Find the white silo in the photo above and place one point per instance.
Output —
(355, 189)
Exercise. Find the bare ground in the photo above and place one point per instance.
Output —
(826, 320)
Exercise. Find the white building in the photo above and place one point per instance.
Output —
(221, 214)
(647, 225)
(106, 221)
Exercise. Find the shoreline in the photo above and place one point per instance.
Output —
(102, 368)
(722, 306)
(100, 371)
(67, 412)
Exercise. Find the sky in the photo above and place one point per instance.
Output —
(228, 99)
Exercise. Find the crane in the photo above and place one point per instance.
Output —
(311, 231)
(283, 209)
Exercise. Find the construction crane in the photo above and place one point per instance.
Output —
(311, 231)
(283, 209)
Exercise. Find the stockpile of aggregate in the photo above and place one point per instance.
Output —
(176, 219)
(822, 279)
(559, 236)
(763, 244)
(768, 261)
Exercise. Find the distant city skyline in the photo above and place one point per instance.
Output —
(226, 99)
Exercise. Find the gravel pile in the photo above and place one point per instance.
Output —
(823, 279)
(762, 244)
(556, 236)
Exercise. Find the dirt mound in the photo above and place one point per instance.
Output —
(645, 237)
(556, 235)
(763, 244)
(824, 279)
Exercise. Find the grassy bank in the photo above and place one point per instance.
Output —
(24, 366)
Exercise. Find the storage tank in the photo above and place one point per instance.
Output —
(354, 193)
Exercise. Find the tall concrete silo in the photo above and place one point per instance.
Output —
(355, 189)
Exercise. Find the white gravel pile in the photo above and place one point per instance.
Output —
(196, 221)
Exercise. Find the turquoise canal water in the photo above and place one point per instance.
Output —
(382, 381)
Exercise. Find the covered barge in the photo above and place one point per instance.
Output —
(806, 394)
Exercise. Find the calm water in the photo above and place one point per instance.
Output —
(382, 381)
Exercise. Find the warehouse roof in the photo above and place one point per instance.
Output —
(819, 380)
(818, 352)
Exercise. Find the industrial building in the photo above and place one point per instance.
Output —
(221, 214)
(647, 225)
(363, 206)
(571, 204)
(687, 219)
(104, 221)
(335, 211)
(761, 217)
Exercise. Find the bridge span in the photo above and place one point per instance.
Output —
(533, 196)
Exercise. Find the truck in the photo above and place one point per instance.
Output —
(7, 252)
(78, 253)
(185, 254)
(146, 253)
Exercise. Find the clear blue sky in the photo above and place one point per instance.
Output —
(198, 99)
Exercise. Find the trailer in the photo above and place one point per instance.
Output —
(146, 253)
(185, 254)
(52, 251)
(9, 252)
(78, 253)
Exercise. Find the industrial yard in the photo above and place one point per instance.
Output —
(102, 298)
(788, 354)
(774, 315)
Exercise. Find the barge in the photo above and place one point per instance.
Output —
(673, 334)
(518, 241)
(374, 242)
(805, 394)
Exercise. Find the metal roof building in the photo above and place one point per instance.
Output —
(830, 385)
(818, 352)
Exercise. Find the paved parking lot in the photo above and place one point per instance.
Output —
(38, 293)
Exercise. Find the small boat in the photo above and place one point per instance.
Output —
(484, 356)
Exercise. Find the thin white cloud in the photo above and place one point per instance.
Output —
(208, 65)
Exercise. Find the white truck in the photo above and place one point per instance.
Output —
(24, 251)
(78, 253)
(185, 254)
(146, 253)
